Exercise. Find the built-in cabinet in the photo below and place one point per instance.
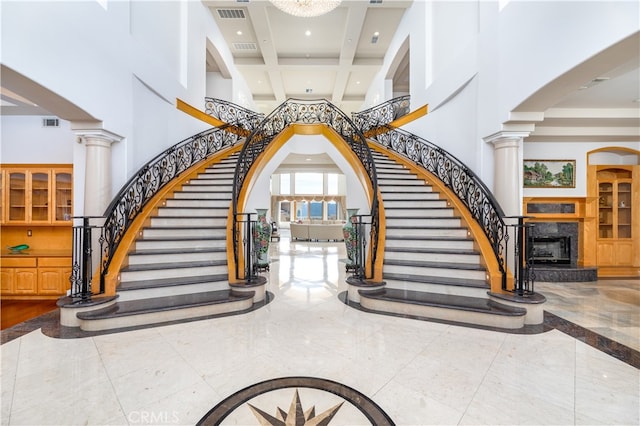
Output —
(616, 216)
(36, 208)
(36, 195)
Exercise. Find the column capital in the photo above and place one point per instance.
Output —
(505, 138)
(96, 136)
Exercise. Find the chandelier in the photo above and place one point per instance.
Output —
(306, 8)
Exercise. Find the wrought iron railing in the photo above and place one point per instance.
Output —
(142, 187)
(233, 114)
(461, 180)
(306, 112)
(381, 115)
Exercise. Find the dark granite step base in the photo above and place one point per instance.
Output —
(463, 303)
(564, 273)
(159, 304)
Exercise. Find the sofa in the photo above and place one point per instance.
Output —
(317, 231)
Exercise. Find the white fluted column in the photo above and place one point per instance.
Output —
(97, 184)
(507, 186)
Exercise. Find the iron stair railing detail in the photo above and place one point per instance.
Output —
(233, 114)
(461, 180)
(381, 115)
(296, 111)
(135, 194)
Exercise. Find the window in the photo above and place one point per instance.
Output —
(316, 210)
(309, 183)
(285, 183)
(332, 184)
(332, 210)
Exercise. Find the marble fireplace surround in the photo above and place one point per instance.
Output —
(562, 272)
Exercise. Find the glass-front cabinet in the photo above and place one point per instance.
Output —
(36, 195)
(615, 207)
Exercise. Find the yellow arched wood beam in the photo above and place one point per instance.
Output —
(119, 258)
(196, 113)
(407, 118)
(487, 256)
(277, 143)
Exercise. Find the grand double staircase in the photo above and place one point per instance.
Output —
(431, 267)
(178, 267)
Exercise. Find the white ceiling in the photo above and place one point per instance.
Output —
(336, 61)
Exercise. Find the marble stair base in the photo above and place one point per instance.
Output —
(165, 309)
(460, 309)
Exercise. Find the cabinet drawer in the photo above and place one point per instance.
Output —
(18, 262)
(62, 262)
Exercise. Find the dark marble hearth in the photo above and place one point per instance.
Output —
(564, 273)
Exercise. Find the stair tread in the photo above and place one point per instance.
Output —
(464, 303)
(446, 238)
(426, 279)
(429, 250)
(173, 265)
(151, 252)
(159, 304)
(206, 238)
(441, 265)
(170, 282)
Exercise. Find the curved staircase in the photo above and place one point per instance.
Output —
(430, 268)
(178, 267)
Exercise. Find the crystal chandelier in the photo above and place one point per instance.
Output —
(306, 8)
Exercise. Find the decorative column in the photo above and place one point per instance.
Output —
(97, 183)
(507, 183)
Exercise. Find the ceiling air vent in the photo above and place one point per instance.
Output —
(231, 13)
(50, 122)
(245, 46)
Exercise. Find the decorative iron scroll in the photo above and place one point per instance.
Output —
(381, 115)
(306, 112)
(466, 185)
(152, 177)
(233, 114)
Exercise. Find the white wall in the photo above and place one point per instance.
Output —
(25, 140)
(123, 64)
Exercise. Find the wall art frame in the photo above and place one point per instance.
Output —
(549, 173)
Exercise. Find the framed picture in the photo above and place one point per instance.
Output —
(549, 174)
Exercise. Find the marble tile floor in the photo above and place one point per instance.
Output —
(415, 372)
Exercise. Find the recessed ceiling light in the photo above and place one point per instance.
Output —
(357, 82)
(377, 33)
(307, 33)
(239, 32)
(307, 159)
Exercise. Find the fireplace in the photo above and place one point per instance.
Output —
(554, 250)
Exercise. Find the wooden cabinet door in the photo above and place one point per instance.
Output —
(606, 256)
(26, 281)
(7, 279)
(49, 280)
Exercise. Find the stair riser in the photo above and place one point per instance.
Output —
(202, 196)
(193, 212)
(419, 213)
(127, 295)
(433, 257)
(401, 182)
(453, 290)
(420, 196)
(197, 187)
(427, 233)
(187, 222)
(457, 315)
(396, 174)
(129, 276)
(164, 316)
(211, 180)
(418, 203)
(179, 244)
(181, 233)
(429, 244)
(434, 272)
(149, 259)
(208, 203)
(430, 222)
(421, 189)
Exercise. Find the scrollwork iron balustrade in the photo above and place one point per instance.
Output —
(152, 177)
(381, 115)
(306, 112)
(466, 185)
(233, 114)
